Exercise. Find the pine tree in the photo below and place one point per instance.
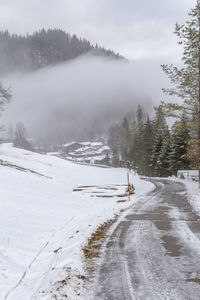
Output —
(160, 132)
(163, 162)
(186, 80)
(147, 146)
(136, 153)
(157, 145)
(179, 145)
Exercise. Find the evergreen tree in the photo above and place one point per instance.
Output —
(147, 146)
(179, 143)
(186, 80)
(150, 146)
(163, 163)
(160, 132)
(156, 149)
(136, 154)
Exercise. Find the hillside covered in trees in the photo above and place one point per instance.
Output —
(150, 146)
(43, 48)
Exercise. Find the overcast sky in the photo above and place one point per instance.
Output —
(137, 29)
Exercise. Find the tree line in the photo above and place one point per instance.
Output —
(43, 48)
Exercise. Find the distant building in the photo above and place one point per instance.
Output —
(87, 152)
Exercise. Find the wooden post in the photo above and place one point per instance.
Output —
(128, 178)
(129, 198)
(128, 189)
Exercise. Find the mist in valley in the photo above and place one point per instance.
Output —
(81, 99)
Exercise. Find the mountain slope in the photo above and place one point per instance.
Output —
(43, 48)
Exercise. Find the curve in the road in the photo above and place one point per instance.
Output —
(154, 253)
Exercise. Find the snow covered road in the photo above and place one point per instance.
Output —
(154, 251)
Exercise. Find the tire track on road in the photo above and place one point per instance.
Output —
(145, 256)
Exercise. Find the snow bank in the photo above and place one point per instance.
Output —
(193, 194)
(44, 224)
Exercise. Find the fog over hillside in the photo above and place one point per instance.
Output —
(20, 53)
(80, 99)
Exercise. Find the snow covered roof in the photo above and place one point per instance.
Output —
(69, 144)
(105, 148)
(100, 157)
(78, 150)
(96, 144)
(79, 143)
(85, 143)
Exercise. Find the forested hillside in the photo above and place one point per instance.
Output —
(150, 146)
(43, 48)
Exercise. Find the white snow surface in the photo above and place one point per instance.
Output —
(193, 194)
(44, 224)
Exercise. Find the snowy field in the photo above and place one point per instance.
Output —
(44, 224)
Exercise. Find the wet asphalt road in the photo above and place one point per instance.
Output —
(154, 252)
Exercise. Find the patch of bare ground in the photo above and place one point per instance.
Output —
(99, 191)
(70, 283)
(195, 280)
(72, 280)
(92, 251)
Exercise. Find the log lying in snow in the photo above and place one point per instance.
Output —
(91, 189)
